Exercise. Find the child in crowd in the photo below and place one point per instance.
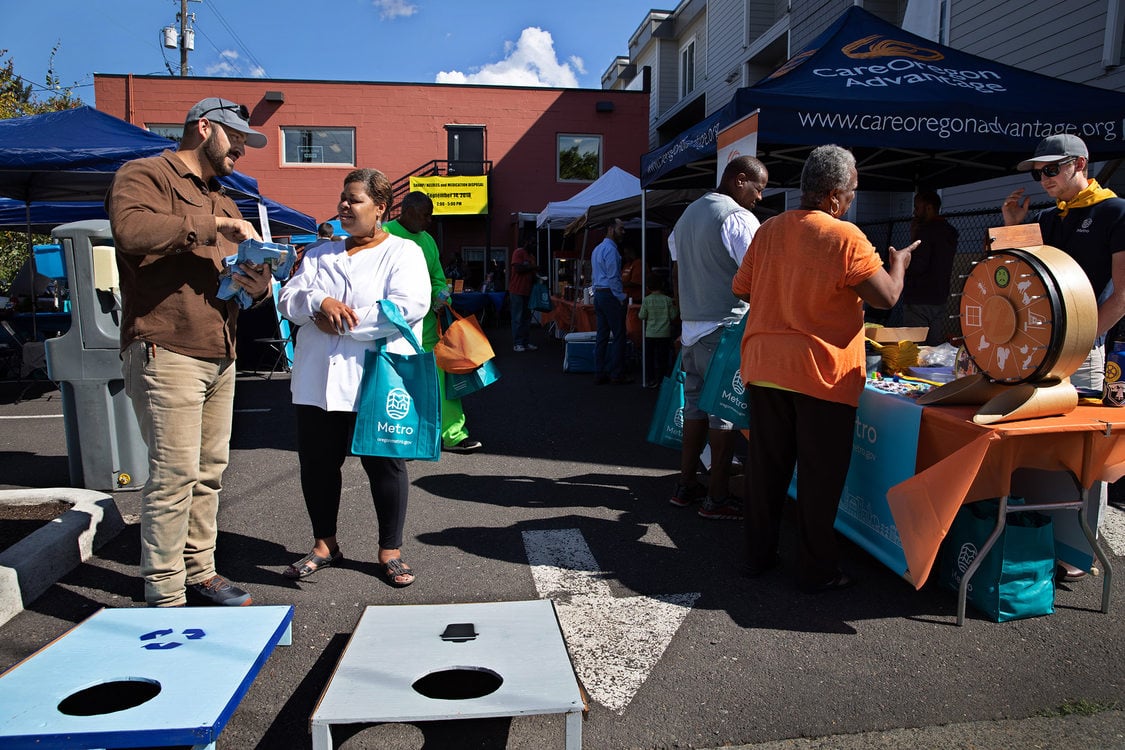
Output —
(658, 311)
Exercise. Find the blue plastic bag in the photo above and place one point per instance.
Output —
(399, 411)
(667, 426)
(459, 385)
(540, 299)
(723, 395)
(1017, 578)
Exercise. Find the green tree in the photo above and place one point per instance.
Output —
(18, 98)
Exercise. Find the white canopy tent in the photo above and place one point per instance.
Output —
(613, 185)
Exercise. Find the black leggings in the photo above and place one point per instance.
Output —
(815, 435)
(324, 440)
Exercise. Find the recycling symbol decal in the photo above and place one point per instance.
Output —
(159, 639)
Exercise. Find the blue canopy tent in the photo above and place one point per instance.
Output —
(914, 112)
(67, 160)
(45, 215)
(57, 166)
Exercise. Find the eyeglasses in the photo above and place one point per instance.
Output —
(242, 111)
(1051, 170)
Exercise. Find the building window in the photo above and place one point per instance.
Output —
(172, 132)
(580, 158)
(334, 146)
(687, 68)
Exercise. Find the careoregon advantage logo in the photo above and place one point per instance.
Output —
(398, 403)
(792, 63)
(877, 45)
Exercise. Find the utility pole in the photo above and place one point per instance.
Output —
(187, 36)
(184, 39)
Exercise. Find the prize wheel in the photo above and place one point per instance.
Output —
(1028, 315)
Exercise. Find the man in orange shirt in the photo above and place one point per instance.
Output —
(806, 275)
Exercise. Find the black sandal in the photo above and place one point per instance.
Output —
(392, 570)
(311, 563)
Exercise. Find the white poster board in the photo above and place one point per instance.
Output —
(740, 138)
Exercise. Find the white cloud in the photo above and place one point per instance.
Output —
(530, 61)
(228, 65)
(389, 10)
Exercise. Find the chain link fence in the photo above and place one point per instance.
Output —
(972, 242)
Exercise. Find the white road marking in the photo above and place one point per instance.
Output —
(34, 416)
(614, 643)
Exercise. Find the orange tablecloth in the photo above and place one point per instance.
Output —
(961, 462)
(576, 316)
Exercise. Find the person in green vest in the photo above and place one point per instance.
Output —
(414, 219)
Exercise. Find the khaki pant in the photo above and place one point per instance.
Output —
(184, 407)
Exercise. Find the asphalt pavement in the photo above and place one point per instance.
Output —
(747, 663)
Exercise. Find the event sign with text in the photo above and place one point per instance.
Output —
(465, 195)
(740, 138)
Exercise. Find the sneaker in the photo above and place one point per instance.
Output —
(684, 496)
(519, 348)
(729, 509)
(218, 590)
(530, 347)
(468, 445)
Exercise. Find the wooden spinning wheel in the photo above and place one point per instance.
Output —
(1022, 320)
(1029, 319)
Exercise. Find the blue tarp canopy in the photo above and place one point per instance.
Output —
(916, 113)
(69, 155)
(60, 165)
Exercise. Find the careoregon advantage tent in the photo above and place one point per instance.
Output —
(915, 113)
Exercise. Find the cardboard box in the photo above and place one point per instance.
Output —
(894, 335)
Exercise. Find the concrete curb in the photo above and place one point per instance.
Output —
(32, 565)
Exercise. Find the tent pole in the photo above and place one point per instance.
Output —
(644, 289)
(31, 276)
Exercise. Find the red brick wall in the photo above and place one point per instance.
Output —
(400, 127)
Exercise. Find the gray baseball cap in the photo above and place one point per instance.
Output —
(234, 116)
(1056, 148)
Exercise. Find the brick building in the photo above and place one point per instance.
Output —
(525, 139)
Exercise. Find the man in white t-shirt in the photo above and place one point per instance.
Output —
(707, 246)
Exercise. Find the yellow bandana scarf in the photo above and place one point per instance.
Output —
(1091, 194)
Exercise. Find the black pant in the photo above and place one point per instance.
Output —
(792, 428)
(324, 440)
(658, 358)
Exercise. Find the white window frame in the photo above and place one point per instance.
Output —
(288, 131)
(688, 66)
(174, 131)
(559, 150)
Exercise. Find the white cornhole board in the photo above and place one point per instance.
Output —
(395, 646)
(199, 662)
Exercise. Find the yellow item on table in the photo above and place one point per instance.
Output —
(897, 357)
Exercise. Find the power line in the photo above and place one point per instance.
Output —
(249, 55)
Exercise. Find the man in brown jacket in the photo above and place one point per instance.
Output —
(172, 226)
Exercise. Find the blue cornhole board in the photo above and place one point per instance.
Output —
(203, 660)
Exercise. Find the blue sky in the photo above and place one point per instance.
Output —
(521, 42)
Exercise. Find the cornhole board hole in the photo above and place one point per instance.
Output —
(452, 661)
(139, 678)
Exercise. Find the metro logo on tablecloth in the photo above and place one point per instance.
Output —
(884, 450)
